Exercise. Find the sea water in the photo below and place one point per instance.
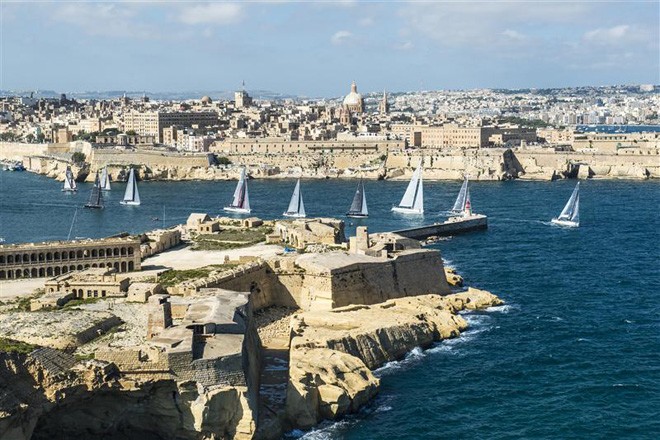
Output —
(574, 353)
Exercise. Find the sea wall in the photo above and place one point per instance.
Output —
(533, 163)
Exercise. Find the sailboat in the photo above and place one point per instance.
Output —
(570, 215)
(241, 202)
(463, 195)
(296, 205)
(413, 199)
(359, 206)
(95, 197)
(69, 182)
(131, 196)
(105, 179)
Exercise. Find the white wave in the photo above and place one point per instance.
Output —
(506, 308)
(384, 408)
(324, 431)
(411, 358)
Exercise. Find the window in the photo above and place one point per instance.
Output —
(96, 294)
(103, 293)
(89, 294)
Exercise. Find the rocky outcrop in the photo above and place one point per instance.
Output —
(453, 278)
(333, 352)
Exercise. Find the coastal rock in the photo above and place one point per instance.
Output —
(333, 352)
(453, 279)
(326, 383)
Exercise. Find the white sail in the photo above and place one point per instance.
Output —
(105, 179)
(296, 205)
(459, 204)
(413, 199)
(69, 182)
(571, 210)
(359, 205)
(131, 196)
(241, 200)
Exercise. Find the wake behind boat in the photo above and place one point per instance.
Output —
(413, 199)
(296, 206)
(241, 201)
(131, 196)
(570, 215)
(359, 206)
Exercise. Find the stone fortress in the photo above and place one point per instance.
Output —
(203, 358)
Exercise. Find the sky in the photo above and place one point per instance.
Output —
(317, 48)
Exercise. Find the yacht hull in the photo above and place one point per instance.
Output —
(236, 210)
(123, 202)
(565, 223)
(407, 211)
(294, 215)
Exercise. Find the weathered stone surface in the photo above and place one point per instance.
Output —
(326, 383)
(333, 352)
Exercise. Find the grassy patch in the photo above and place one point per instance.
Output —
(173, 277)
(12, 346)
(81, 301)
(230, 239)
(84, 357)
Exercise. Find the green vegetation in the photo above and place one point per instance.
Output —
(80, 301)
(532, 123)
(7, 136)
(131, 133)
(11, 346)
(84, 357)
(78, 157)
(222, 160)
(89, 137)
(173, 277)
(231, 239)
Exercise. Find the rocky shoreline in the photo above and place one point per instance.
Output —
(486, 164)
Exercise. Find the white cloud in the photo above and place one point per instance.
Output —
(341, 37)
(212, 13)
(514, 35)
(366, 21)
(105, 19)
(612, 34)
(406, 45)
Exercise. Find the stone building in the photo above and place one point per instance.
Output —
(89, 283)
(383, 105)
(48, 259)
(242, 99)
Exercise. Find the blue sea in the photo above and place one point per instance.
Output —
(574, 353)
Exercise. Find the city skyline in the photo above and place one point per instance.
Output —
(316, 49)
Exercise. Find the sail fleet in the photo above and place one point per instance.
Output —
(412, 202)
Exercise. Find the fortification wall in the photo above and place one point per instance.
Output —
(17, 150)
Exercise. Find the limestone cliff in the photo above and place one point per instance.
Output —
(333, 352)
(47, 394)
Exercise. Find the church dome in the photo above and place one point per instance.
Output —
(353, 98)
(206, 100)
